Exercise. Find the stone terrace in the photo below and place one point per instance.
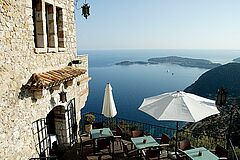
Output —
(74, 154)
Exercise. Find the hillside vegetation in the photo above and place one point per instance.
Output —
(228, 77)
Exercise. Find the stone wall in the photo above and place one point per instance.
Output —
(18, 61)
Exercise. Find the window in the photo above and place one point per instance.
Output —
(60, 32)
(38, 24)
(48, 27)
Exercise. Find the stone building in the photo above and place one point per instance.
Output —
(44, 84)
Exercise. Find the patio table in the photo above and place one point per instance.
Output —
(102, 133)
(106, 132)
(139, 142)
(200, 153)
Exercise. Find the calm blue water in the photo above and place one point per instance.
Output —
(132, 83)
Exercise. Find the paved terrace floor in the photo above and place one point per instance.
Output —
(75, 154)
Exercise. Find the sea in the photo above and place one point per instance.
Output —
(131, 84)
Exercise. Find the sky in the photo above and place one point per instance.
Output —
(159, 24)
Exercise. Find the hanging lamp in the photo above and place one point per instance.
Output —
(85, 9)
(63, 96)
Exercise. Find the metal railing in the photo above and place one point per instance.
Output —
(233, 151)
(196, 139)
(45, 158)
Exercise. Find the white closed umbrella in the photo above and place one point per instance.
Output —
(179, 106)
(109, 108)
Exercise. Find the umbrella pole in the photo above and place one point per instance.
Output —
(110, 122)
(176, 144)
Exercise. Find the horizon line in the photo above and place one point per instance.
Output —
(104, 49)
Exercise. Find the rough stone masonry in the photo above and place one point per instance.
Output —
(20, 58)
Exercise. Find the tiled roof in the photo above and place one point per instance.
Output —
(53, 77)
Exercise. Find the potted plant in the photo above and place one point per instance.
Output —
(89, 119)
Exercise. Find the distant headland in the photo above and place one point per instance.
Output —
(237, 60)
(185, 62)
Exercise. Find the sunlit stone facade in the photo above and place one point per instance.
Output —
(35, 36)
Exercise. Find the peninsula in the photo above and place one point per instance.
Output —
(185, 62)
(237, 60)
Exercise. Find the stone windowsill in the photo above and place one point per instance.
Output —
(49, 50)
(52, 50)
(40, 50)
(61, 49)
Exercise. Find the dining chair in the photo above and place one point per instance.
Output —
(137, 133)
(130, 153)
(85, 143)
(103, 144)
(164, 142)
(221, 152)
(97, 125)
(117, 134)
(183, 145)
(152, 154)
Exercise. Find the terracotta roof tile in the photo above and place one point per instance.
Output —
(53, 77)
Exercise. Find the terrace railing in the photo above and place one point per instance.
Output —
(232, 153)
(44, 158)
(196, 139)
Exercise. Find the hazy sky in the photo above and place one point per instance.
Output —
(160, 24)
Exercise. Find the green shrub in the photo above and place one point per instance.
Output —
(89, 118)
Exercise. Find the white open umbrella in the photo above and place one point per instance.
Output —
(109, 108)
(179, 106)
